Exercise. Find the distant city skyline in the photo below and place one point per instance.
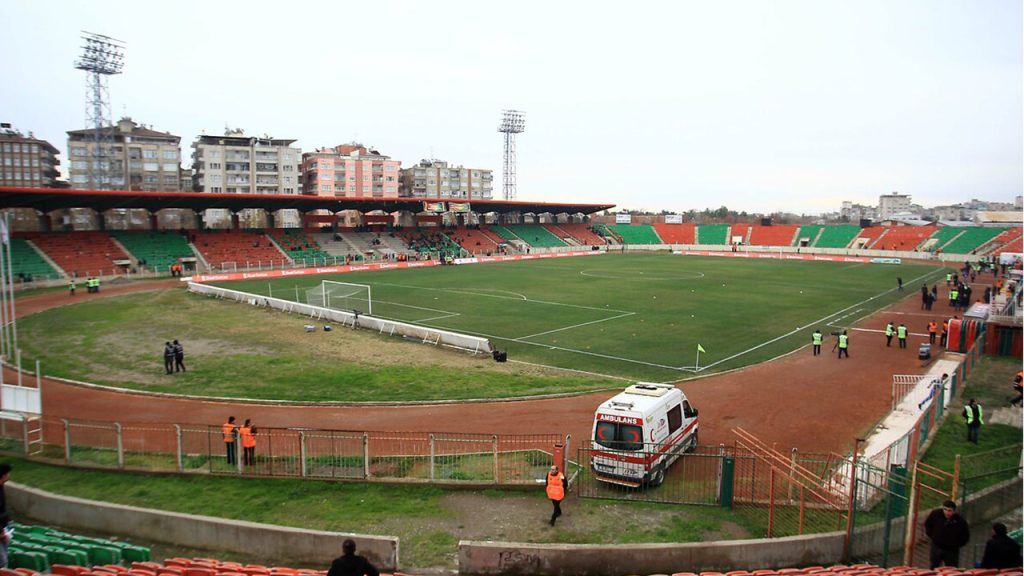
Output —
(788, 106)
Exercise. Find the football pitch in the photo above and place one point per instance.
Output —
(633, 316)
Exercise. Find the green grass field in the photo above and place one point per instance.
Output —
(569, 325)
(634, 316)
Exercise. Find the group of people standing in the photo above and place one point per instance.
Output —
(842, 343)
(92, 286)
(174, 357)
(235, 435)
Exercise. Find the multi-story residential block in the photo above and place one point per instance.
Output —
(131, 157)
(891, 204)
(350, 170)
(856, 212)
(26, 160)
(437, 179)
(245, 164)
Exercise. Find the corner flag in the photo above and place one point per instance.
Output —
(701, 348)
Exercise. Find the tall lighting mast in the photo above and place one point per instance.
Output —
(102, 56)
(512, 122)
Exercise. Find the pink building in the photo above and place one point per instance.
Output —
(351, 171)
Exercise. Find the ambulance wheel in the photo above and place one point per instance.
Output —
(693, 442)
(657, 477)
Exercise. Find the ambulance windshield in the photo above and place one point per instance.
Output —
(619, 436)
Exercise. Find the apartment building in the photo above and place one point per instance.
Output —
(132, 156)
(891, 204)
(437, 179)
(26, 160)
(350, 170)
(236, 163)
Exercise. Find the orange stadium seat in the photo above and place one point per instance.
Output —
(67, 570)
(677, 233)
(238, 248)
(474, 241)
(80, 253)
(582, 233)
(781, 235)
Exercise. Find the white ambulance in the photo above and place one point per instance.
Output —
(640, 432)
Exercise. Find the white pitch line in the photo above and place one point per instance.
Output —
(577, 325)
(806, 326)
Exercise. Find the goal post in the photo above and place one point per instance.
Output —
(341, 296)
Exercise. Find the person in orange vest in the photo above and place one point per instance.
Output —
(1018, 387)
(248, 435)
(230, 431)
(557, 485)
(933, 329)
(945, 332)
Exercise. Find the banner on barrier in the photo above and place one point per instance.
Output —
(775, 256)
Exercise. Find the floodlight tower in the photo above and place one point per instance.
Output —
(102, 56)
(512, 122)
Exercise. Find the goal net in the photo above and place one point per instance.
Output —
(341, 296)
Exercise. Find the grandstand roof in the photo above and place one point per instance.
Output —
(993, 217)
(48, 199)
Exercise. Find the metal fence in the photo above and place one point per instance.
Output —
(428, 457)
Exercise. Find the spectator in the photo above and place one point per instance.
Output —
(948, 532)
(351, 564)
(1000, 550)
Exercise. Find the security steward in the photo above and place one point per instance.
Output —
(945, 332)
(248, 435)
(974, 419)
(557, 485)
(816, 342)
(230, 431)
(889, 331)
(844, 345)
(901, 335)
(933, 329)
(71, 287)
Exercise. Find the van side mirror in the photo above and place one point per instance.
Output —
(691, 413)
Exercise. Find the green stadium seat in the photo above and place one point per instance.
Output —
(636, 234)
(104, 555)
(29, 559)
(536, 235)
(971, 239)
(27, 263)
(837, 236)
(712, 234)
(159, 249)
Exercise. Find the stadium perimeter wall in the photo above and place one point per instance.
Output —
(283, 544)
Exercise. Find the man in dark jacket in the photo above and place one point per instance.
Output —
(948, 532)
(168, 357)
(350, 564)
(1000, 550)
(179, 357)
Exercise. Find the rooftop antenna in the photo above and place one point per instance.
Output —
(512, 122)
(102, 56)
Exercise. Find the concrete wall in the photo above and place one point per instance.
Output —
(286, 545)
(492, 558)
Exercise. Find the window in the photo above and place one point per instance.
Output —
(214, 165)
(135, 164)
(151, 179)
(619, 436)
(80, 178)
(215, 189)
(170, 180)
(78, 151)
(287, 168)
(80, 165)
(326, 176)
(151, 166)
(287, 179)
(7, 146)
(675, 418)
(149, 154)
(170, 154)
(325, 188)
(170, 167)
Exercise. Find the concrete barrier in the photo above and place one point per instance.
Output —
(310, 547)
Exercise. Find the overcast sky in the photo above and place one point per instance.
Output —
(761, 105)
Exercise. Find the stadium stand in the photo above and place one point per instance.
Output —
(27, 264)
(809, 234)
(80, 253)
(575, 234)
(971, 239)
(298, 245)
(236, 247)
(536, 235)
(503, 232)
(712, 234)
(636, 233)
(779, 235)
(868, 236)
(474, 241)
(741, 230)
(40, 547)
(1009, 241)
(677, 233)
(902, 237)
(158, 250)
(940, 238)
(335, 244)
(429, 241)
(837, 236)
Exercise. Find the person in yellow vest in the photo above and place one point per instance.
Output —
(844, 345)
(248, 435)
(901, 335)
(972, 415)
(890, 329)
(71, 287)
(556, 487)
(816, 342)
(230, 431)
